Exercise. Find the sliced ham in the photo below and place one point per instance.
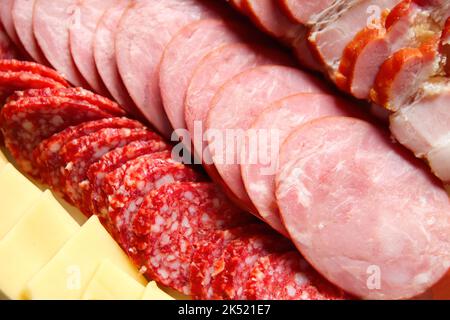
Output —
(51, 23)
(339, 26)
(7, 48)
(366, 215)
(82, 36)
(267, 15)
(140, 45)
(234, 108)
(213, 72)
(105, 57)
(305, 11)
(6, 19)
(423, 126)
(276, 122)
(22, 15)
(184, 52)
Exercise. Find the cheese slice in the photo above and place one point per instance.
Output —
(33, 241)
(111, 283)
(67, 275)
(153, 292)
(3, 160)
(17, 194)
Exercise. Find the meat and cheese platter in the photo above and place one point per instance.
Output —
(224, 150)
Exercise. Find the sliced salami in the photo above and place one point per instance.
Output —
(172, 220)
(82, 35)
(22, 16)
(203, 266)
(238, 259)
(138, 38)
(46, 155)
(110, 162)
(355, 182)
(276, 123)
(288, 276)
(237, 104)
(182, 55)
(12, 65)
(78, 94)
(113, 181)
(80, 153)
(26, 122)
(142, 176)
(213, 72)
(105, 57)
(51, 23)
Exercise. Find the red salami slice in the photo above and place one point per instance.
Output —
(78, 94)
(51, 23)
(203, 267)
(11, 65)
(288, 277)
(22, 17)
(276, 123)
(113, 181)
(105, 57)
(7, 48)
(26, 122)
(139, 39)
(182, 55)
(82, 35)
(79, 154)
(46, 155)
(238, 259)
(356, 184)
(172, 220)
(113, 160)
(236, 106)
(144, 175)
(213, 72)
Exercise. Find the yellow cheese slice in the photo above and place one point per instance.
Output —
(153, 292)
(111, 283)
(17, 194)
(66, 276)
(3, 160)
(33, 241)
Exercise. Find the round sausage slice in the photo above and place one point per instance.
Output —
(236, 106)
(82, 35)
(213, 72)
(183, 54)
(140, 45)
(363, 212)
(280, 119)
(105, 57)
(51, 23)
(22, 16)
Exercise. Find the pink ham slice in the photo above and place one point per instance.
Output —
(82, 36)
(212, 73)
(184, 52)
(6, 19)
(305, 11)
(22, 15)
(423, 127)
(267, 15)
(140, 45)
(51, 23)
(105, 57)
(362, 212)
(277, 122)
(337, 28)
(7, 48)
(237, 104)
